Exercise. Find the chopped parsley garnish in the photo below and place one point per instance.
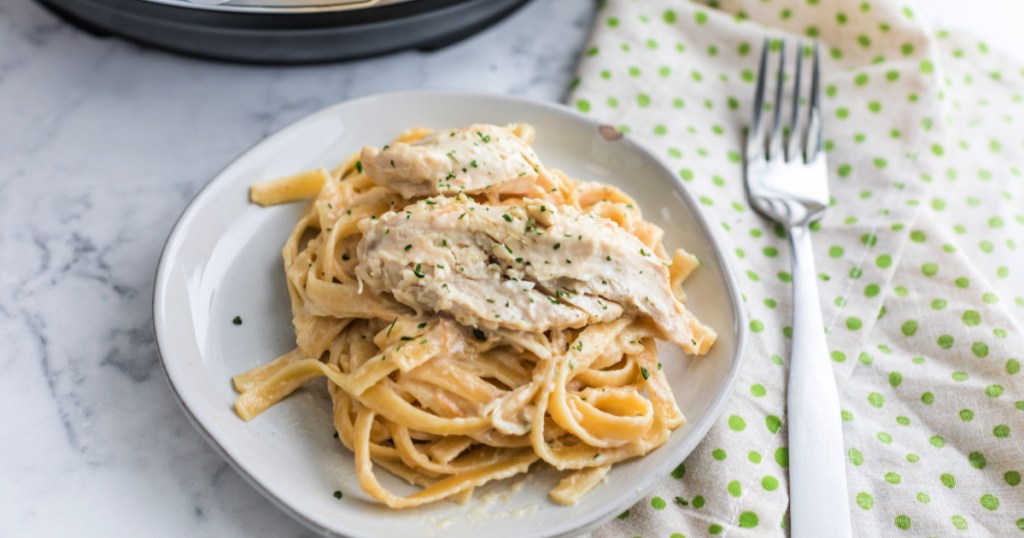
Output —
(345, 257)
(480, 335)
(422, 325)
(416, 271)
(359, 166)
(682, 501)
(237, 320)
(644, 252)
(451, 155)
(348, 211)
(429, 202)
(558, 246)
(484, 138)
(472, 163)
(507, 217)
(408, 248)
(644, 372)
(407, 339)
(444, 242)
(543, 209)
(392, 326)
(337, 495)
(579, 346)
(552, 299)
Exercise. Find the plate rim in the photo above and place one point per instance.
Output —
(647, 482)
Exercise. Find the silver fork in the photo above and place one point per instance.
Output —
(787, 181)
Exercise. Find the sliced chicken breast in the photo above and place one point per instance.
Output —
(472, 159)
(529, 267)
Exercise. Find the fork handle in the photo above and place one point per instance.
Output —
(818, 498)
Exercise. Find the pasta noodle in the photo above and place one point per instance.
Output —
(446, 406)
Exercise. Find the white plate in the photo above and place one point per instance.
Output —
(223, 260)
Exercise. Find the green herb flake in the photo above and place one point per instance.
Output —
(359, 166)
(422, 325)
(507, 217)
(558, 246)
(480, 335)
(408, 247)
(337, 495)
(644, 372)
(237, 320)
(407, 339)
(416, 271)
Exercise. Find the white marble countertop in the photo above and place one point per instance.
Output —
(102, 145)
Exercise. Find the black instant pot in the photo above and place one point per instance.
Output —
(285, 31)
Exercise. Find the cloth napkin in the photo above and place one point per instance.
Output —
(920, 257)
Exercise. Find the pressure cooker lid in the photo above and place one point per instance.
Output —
(278, 6)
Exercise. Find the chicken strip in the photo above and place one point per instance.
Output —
(530, 267)
(472, 159)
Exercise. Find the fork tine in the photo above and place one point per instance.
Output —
(813, 136)
(775, 136)
(794, 140)
(755, 137)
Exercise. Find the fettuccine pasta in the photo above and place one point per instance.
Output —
(474, 312)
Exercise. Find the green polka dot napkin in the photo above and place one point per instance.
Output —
(921, 276)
